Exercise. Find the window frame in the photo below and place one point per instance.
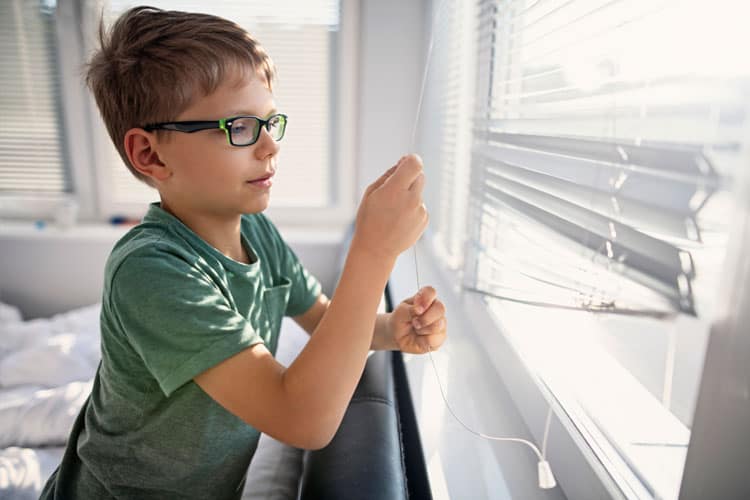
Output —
(717, 451)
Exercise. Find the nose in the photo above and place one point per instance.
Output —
(266, 147)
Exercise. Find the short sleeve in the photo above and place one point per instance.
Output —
(305, 288)
(174, 317)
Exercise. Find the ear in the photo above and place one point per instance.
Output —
(140, 146)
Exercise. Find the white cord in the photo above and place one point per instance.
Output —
(424, 81)
(480, 434)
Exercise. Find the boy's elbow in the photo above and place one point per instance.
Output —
(312, 435)
(309, 442)
(318, 442)
(318, 438)
(312, 424)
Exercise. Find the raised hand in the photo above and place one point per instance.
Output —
(391, 215)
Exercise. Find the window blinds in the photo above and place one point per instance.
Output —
(31, 153)
(599, 153)
(300, 37)
(443, 123)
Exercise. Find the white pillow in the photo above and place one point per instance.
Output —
(51, 361)
(17, 335)
(276, 468)
(35, 416)
(9, 314)
(275, 471)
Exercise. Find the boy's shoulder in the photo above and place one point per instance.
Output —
(145, 240)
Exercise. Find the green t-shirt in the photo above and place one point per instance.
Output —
(172, 307)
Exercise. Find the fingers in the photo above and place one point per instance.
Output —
(418, 185)
(423, 299)
(436, 327)
(380, 180)
(407, 171)
(432, 342)
(434, 314)
(424, 316)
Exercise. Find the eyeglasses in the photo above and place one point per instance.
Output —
(240, 130)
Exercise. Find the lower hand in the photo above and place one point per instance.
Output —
(418, 325)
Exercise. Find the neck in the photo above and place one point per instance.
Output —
(221, 232)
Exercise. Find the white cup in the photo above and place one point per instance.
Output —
(67, 214)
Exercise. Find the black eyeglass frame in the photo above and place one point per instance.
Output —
(224, 124)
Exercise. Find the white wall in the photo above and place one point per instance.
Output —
(392, 52)
(48, 271)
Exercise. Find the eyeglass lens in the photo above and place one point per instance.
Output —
(246, 130)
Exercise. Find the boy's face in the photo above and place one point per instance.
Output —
(209, 176)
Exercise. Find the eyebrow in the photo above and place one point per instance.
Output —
(248, 113)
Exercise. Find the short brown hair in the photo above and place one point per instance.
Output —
(153, 63)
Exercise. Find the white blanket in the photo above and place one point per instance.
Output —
(24, 471)
(34, 416)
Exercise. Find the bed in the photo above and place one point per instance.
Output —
(46, 371)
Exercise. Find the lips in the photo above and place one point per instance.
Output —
(263, 182)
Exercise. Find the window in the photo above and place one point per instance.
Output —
(32, 153)
(605, 138)
(444, 123)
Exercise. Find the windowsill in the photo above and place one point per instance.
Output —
(50, 230)
(641, 442)
(309, 233)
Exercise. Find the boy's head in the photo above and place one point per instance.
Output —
(158, 66)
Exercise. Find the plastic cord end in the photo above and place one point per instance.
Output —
(546, 479)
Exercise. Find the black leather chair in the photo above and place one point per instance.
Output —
(365, 460)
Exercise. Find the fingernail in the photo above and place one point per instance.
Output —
(416, 324)
(418, 309)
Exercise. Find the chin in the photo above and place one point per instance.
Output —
(256, 206)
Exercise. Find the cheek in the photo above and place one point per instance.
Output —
(206, 161)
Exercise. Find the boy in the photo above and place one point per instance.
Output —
(193, 297)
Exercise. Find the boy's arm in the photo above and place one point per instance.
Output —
(394, 331)
(309, 320)
(303, 405)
